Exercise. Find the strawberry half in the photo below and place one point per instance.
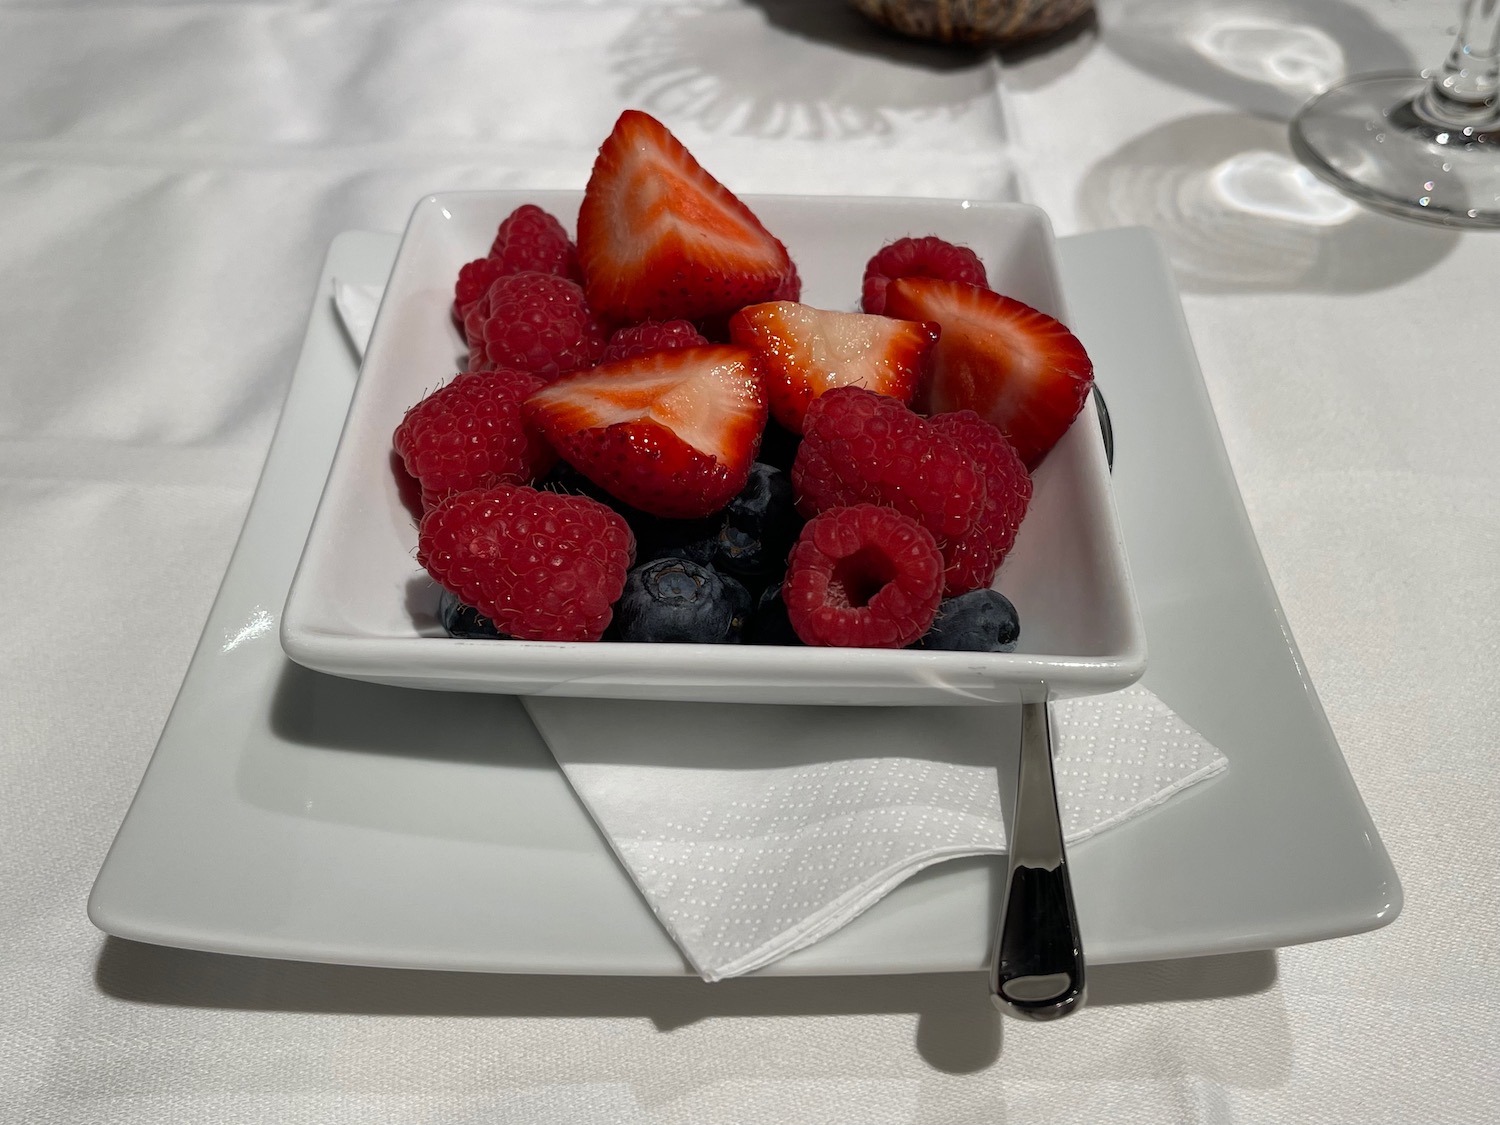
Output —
(806, 351)
(673, 433)
(1014, 366)
(661, 239)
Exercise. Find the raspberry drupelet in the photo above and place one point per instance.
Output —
(974, 557)
(929, 256)
(471, 434)
(540, 565)
(863, 447)
(863, 576)
(651, 336)
(534, 322)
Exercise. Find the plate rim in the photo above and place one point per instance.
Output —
(116, 906)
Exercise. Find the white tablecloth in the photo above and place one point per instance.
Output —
(170, 177)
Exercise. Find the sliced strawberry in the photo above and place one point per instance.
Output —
(790, 288)
(661, 239)
(673, 433)
(806, 351)
(1014, 366)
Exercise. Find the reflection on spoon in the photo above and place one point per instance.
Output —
(1036, 969)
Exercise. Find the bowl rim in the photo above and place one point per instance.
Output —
(602, 668)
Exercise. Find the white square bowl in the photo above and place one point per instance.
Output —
(360, 606)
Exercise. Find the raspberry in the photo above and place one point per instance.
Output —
(528, 241)
(974, 557)
(862, 447)
(651, 336)
(474, 281)
(919, 257)
(532, 240)
(533, 322)
(540, 565)
(471, 434)
(865, 576)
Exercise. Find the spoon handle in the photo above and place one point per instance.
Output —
(1036, 969)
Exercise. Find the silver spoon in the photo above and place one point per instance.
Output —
(1036, 968)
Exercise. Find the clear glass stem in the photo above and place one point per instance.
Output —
(1463, 92)
(1422, 146)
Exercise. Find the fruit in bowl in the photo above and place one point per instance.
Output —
(663, 425)
(719, 431)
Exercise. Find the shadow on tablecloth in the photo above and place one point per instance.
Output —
(1237, 213)
(958, 1030)
(1266, 57)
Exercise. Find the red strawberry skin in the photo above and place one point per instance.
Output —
(1016, 367)
(660, 239)
(673, 433)
(808, 351)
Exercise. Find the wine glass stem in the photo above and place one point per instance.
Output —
(1463, 91)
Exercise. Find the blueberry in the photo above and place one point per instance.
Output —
(743, 609)
(778, 446)
(659, 538)
(655, 537)
(569, 481)
(771, 625)
(979, 621)
(674, 599)
(464, 620)
(759, 525)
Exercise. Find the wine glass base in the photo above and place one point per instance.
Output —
(1371, 138)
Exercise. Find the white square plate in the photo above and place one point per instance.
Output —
(291, 814)
(359, 605)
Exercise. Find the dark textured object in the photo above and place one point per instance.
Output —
(658, 538)
(975, 21)
(771, 625)
(743, 612)
(759, 526)
(655, 537)
(778, 446)
(464, 621)
(979, 621)
(673, 599)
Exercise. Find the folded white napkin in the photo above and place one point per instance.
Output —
(356, 305)
(753, 831)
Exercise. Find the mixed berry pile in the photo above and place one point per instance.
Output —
(655, 441)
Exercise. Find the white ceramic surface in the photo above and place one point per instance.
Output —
(359, 605)
(291, 814)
